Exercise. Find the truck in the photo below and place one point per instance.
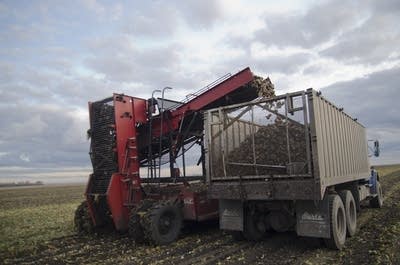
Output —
(294, 162)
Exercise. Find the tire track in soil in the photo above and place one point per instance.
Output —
(370, 223)
(182, 246)
(199, 250)
(369, 246)
(209, 245)
(278, 248)
(217, 253)
(290, 249)
(74, 249)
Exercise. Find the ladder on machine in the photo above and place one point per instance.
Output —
(131, 170)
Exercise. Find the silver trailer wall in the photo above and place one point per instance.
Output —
(339, 144)
(290, 147)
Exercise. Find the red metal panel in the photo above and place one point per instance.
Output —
(229, 85)
(198, 103)
(198, 207)
(140, 109)
(116, 193)
(189, 206)
(124, 188)
(124, 125)
(206, 208)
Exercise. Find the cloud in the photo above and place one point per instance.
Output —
(376, 39)
(201, 14)
(376, 95)
(372, 100)
(319, 24)
(56, 57)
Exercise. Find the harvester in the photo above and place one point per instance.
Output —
(131, 139)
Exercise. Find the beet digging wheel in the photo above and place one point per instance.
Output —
(82, 220)
(162, 223)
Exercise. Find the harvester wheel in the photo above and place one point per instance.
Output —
(337, 223)
(162, 223)
(377, 201)
(82, 220)
(135, 229)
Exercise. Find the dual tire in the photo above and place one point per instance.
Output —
(343, 218)
(377, 201)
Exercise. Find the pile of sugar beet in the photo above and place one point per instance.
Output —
(270, 143)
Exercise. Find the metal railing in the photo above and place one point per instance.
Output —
(201, 91)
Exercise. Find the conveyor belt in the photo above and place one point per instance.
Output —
(102, 155)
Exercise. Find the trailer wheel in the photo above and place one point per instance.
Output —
(162, 223)
(83, 222)
(337, 223)
(351, 212)
(254, 226)
(377, 201)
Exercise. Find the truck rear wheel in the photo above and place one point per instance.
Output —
(337, 223)
(162, 223)
(237, 235)
(377, 201)
(351, 211)
(254, 226)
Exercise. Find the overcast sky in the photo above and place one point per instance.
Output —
(58, 55)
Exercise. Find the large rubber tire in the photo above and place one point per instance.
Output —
(337, 223)
(356, 195)
(377, 201)
(254, 226)
(135, 229)
(162, 223)
(83, 222)
(351, 211)
(237, 235)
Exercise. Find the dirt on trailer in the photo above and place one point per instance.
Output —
(376, 242)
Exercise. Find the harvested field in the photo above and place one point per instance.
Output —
(36, 228)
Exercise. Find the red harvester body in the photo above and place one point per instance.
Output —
(126, 135)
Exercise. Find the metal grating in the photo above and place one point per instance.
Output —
(103, 157)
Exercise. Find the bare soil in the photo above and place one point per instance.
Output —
(376, 242)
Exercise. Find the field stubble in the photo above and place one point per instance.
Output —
(36, 226)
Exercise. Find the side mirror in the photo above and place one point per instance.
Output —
(376, 148)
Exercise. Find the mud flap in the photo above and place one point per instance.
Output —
(313, 218)
(231, 215)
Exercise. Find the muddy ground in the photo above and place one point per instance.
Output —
(376, 242)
